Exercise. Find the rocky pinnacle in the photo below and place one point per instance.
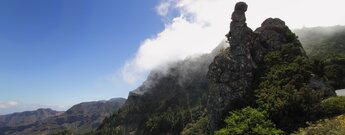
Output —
(230, 74)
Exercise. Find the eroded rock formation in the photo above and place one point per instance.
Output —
(233, 72)
(230, 73)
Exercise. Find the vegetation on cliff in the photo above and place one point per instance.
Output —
(265, 80)
(249, 121)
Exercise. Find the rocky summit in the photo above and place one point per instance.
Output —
(233, 72)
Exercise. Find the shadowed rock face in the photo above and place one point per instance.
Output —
(230, 73)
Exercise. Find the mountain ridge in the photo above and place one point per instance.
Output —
(80, 118)
(27, 117)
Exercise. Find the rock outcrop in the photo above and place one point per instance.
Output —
(234, 73)
(230, 73)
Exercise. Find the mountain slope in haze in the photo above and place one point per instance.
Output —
(170, 98)
(25, 118)
(320, 42)
(80, 118)
(326, 46)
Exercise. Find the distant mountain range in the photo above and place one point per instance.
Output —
(26, 118)
(80, 118)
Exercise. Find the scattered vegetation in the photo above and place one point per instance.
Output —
(249, 121)
(171, 121)
(196, 128)
(284, 91)
(333, 106)
(334, 126)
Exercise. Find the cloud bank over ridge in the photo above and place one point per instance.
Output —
(8, 104)
(200, 25)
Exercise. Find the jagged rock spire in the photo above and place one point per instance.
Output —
(231, 74)
(239, 14)
(238, 18)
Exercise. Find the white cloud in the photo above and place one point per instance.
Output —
(202, 24)
(163, 7)
(8, 104)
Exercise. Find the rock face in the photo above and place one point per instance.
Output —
(230, 73)
(233, 72)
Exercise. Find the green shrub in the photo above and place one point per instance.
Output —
(196, 128)
(333, 106)
(283, 90)
(248, 121)
(334, 71)
(172, 121)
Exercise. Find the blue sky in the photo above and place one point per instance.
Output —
(57, 53)
(62, 52)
